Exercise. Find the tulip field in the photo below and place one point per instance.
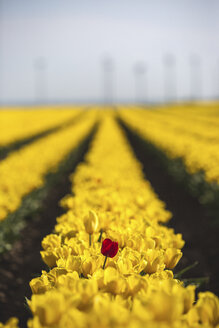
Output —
(86, 240)
(189, 134)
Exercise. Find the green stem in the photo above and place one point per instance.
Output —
(90, 239)
(180, 273)
(104, 263)
(100, 236)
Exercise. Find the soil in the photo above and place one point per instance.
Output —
(190, 218)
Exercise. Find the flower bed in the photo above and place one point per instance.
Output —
(133, 286)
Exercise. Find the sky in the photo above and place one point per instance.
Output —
(55, 50)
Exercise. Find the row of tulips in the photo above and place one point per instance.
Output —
(19, 123)
(24, 170)
(189, 133)
(111, 256)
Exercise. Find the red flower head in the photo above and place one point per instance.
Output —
(109, 248)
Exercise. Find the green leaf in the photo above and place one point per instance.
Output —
(26, 305)
(195, 281)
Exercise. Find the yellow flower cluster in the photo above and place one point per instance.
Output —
(24, 170)
(137, 288)
(190, 133)
(18, 124)
(11, 323)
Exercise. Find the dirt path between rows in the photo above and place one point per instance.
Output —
(189, 218)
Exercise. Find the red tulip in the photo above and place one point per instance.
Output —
(109, 249)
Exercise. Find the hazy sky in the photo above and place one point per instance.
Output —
(75, 35)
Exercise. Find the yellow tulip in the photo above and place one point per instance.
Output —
(39, 285)
(172, 257)
(91, 222)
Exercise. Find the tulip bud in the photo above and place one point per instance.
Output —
(91, 222)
